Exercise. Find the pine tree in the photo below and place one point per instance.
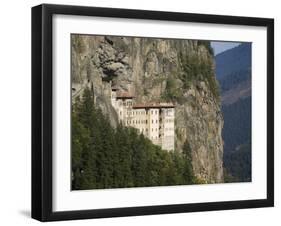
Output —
(125, 157)
(80, 143)
(87, 117)
(188, 168)
(107, 157)
(139, 159)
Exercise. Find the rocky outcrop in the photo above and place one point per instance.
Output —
(158, 70)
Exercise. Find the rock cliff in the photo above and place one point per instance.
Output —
(181, 71)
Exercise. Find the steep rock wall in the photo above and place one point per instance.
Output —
(158, 69)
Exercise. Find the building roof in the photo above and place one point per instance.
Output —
(124, 95)
(154, 105)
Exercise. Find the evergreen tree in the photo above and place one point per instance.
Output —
(138, 158)
(104, 157)
(188, 168)
(80, 143)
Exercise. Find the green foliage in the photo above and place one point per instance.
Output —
(238, 164)
(172, 92)
(197, 69)
(214, 87)
(237, 123)
(237, 134)
(188, 171)
(207, 45)
(104, 157)
(191, 66)
(228, 178)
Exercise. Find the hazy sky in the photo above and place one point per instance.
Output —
(222, 46)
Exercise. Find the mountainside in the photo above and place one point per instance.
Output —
(237, 124)
(178, 71)
(233, 60)
(233, 70)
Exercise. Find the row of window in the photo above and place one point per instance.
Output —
(151, 137)
(167, 120)
(125, 103)
(129, 122)
(155, 129)
(155, 112)
(169, 129)
(133, 122)
(141, 112)
(146, 130)
(137, 113)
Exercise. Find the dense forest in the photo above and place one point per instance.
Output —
(107, 157)
(238, 162)
(237, 138)
(235, 78)
(237, 123)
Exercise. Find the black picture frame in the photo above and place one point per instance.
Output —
(42, 106)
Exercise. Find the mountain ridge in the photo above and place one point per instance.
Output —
(236, 59)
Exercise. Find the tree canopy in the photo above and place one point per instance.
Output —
(107, 157)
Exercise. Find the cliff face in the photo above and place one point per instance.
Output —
(156, 70)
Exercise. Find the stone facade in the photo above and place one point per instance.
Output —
(153, 120)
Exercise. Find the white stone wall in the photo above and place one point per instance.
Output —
(120, 110)
(168, 134)
(127, 106)
(139, 121)
(156, 123)
(113, 98)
